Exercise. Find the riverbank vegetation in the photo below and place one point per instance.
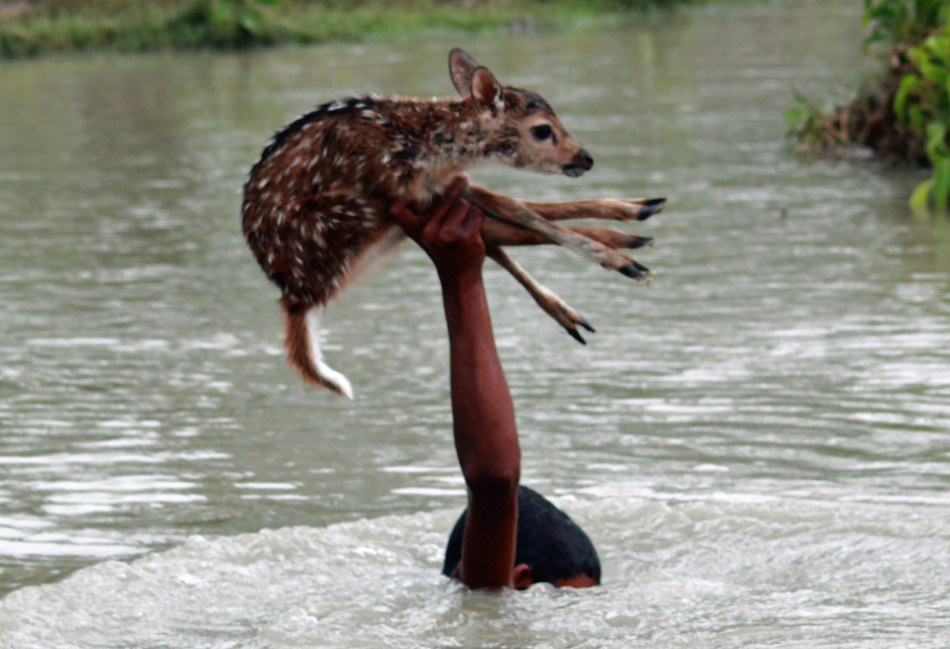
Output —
(904, 114)
(34, 27)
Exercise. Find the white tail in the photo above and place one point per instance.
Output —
(302, 341)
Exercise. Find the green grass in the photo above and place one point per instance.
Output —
(33, 28)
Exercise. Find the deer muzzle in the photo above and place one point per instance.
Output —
(580, 163)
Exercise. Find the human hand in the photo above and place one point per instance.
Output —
(450, 232)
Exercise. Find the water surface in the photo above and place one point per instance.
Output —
(756, 443)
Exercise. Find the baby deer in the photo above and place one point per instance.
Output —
(316, 205)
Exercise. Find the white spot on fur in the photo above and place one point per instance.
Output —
(329, 374)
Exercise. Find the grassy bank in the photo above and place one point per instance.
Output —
(32, 28)
(904, 113)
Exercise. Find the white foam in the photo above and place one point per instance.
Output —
(717, 572)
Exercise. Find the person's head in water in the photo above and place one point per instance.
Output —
(550, 546)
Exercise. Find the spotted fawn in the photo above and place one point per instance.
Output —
(316, 204)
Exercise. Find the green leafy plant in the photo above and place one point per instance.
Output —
(906, 113)
(229, 22)
(815, 126)
(896, 22)
(922, 103)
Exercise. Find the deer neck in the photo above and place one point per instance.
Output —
(457, 139)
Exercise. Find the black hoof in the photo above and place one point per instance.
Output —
(639, 242)
(576, 336)
(631, 270)
(651, 207)
(583, 322)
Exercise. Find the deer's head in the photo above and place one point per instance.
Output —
(519, 128)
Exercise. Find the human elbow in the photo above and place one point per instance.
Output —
(498, 479)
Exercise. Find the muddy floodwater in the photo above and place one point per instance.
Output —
(757, 443)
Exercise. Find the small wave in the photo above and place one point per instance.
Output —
(719, 571)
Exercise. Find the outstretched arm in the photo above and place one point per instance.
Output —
(486, 438)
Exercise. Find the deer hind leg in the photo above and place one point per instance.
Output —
(514, 211)
(550, 303)
(499, 233)
(324, 247)
(613, 238)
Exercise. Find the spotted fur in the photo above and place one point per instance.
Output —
(317, 200)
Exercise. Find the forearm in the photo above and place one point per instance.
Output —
(486, 439)
(486, 436)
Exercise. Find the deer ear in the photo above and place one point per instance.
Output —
(486, 93)
(462, 68)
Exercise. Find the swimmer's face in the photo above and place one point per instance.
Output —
(577, 581)
(521, 577)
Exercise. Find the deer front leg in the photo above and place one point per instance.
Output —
(608, 209)
(500, 233)
(550, 303)
(514, 211)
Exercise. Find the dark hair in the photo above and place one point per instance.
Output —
(549, 542)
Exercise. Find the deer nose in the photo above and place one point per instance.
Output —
(583, 160)
(580, 162)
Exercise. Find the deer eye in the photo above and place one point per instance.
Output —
(541, 132)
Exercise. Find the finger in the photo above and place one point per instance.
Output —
(474, 219)
(405, 217)
(449, 218)
(458, 185)
(436, 224)
(398, 205)
(455, 217)
(409, 221)
(441, 205)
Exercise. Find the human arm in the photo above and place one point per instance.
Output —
(486, 437)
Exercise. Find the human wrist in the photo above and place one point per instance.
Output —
(456, 277)
(462, 291)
